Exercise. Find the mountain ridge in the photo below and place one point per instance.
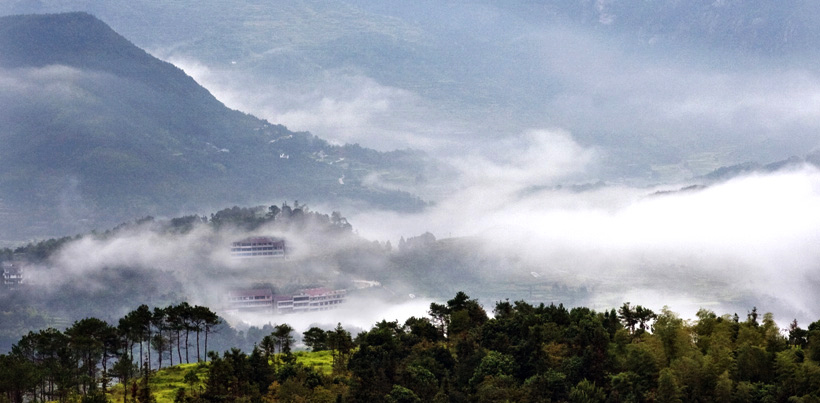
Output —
(94, 138)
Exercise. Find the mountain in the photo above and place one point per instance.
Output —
(96, 131)
(658, 86)
(794, 162)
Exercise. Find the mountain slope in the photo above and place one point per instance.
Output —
(627, 77)
(96, 131)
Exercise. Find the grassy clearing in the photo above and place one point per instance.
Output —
(321, 361)
(165, 382)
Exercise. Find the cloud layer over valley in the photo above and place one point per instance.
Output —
(748, 241)
(728, 246)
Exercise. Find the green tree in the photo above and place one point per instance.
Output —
(375, 366)
(400, 394)
(18, 378)
(92, 340)
(440, 315)
(138, 328)
(797, 336)
(420, 380)
(628, 317)
(176, 322)
(284, 340)
(586, 392)
(315, 338)
(668, 389)
(723, 388)
(124, 369)
(341, 346)
(210, 321)
(144, 394)
(675, 336)
(493, 364)
(268, 346)
(218, 384)
(160, 341)
(192, 380)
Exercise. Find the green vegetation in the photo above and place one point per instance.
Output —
(525, 353)
(82, 360)
(166, 382)
(320, 361)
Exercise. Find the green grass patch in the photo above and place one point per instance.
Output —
(321, 361)
(165, 382)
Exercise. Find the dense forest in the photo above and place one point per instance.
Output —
(521, 353)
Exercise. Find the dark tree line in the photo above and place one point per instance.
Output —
(271, 373)
(542, 353)
(83, 360)
(298, 215)
(524, 353)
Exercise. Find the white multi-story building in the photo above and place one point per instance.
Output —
(308, 300)
(259, 247)
(258, 299)
(318, 299)
(12, 275)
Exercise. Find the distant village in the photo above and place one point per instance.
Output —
(263, 300)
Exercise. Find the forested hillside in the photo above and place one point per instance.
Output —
(165, 261)
(97, 131)
(523, 353)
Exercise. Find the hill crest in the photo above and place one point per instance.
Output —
(89, 150)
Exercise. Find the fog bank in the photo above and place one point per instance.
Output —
(726, 247)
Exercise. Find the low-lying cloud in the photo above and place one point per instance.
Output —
(110, 274)
(340, 105)
(640, 104)
(750, 240)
